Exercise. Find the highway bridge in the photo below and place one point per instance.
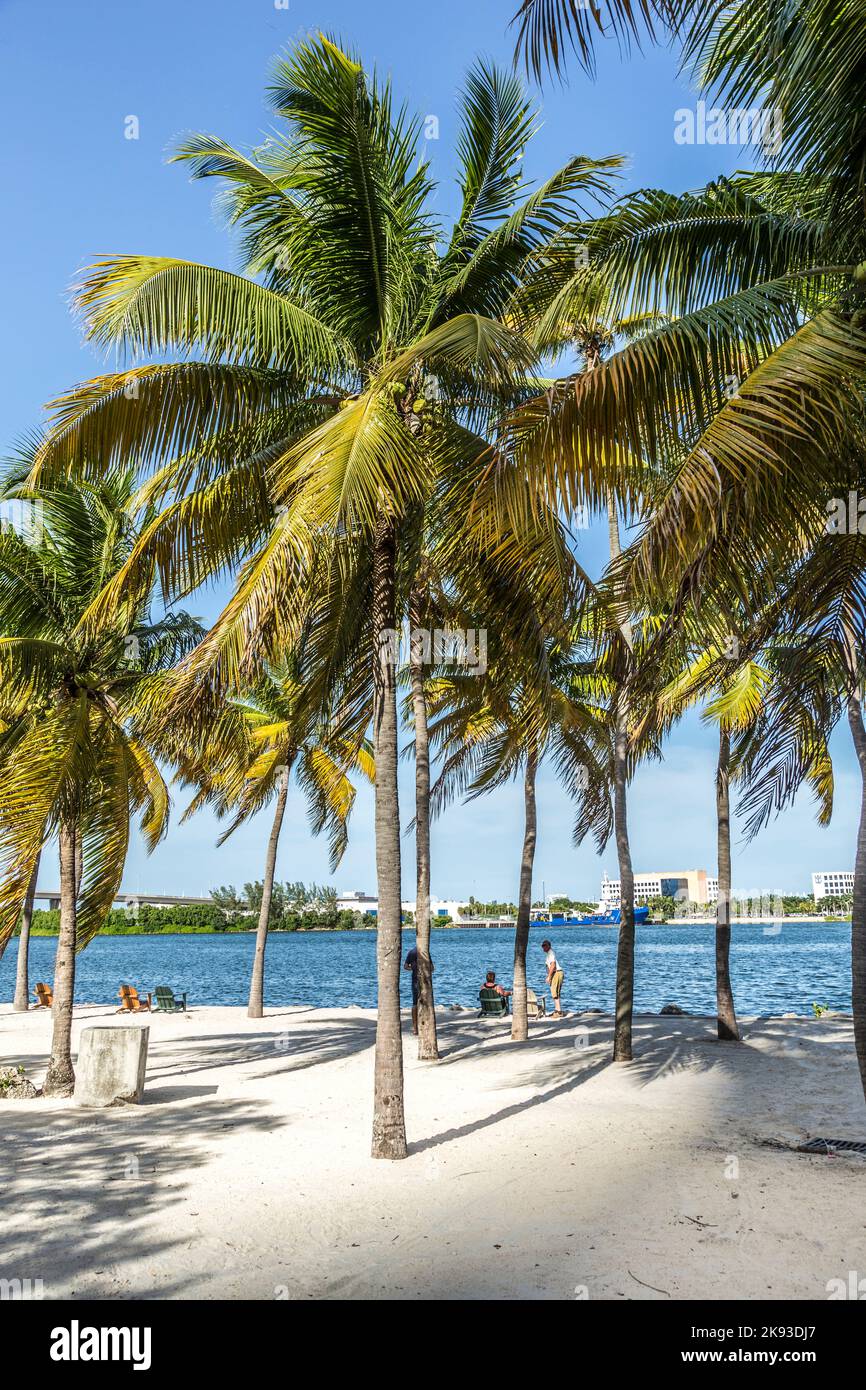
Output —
(135, 900)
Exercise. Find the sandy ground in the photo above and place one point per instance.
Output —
(537, 1171)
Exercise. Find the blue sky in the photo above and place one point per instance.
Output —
(78, 189)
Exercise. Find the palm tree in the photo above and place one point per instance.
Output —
(770, 251)
(680, 407)
(251, 763)
(791, 239)
(736, 703)
(74, 764)
(565, 304)
(548, 29)
(425, 1014)
(454, 583)
(765, 276)
(814, 679)
(296, 434)
(503, 725)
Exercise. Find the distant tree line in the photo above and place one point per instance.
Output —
(759, 905)
(293, 908)
(563, 904)
(476, 909)
(286, 898)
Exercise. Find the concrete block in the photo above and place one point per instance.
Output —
(111, 1066)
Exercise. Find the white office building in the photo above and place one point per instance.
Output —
(358, 902)
(441, 907)
(368, 904)
(835, 884)
(685, 885)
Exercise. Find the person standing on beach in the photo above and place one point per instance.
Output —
(411, 963)
(555, 977)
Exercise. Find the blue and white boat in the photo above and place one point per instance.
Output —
(607, 917)
(604, 916)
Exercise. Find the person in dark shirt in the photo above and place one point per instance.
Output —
(411, 963)
(490, 983)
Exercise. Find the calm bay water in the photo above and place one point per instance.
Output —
(774, 971)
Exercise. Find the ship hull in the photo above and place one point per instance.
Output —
(600, 919)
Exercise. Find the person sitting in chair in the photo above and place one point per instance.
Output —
(490, 983)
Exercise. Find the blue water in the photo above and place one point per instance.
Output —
(774, 970)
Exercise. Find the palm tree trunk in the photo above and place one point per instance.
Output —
(428, 1046)
(389, 1125)
(622, 1043)
(21, 1002)
(858, 910)
(622, 1047)
(728, 1030)
(519, 1019)
(60, 1077)
(256, 1006)
(79, 862)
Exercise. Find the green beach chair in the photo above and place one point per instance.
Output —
(493, 1004)
(165, 1002)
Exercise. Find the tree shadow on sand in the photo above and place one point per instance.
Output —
(508, 1112)
(553, 1045)
(81, 1188)
(552, 1063)
(290, 1050)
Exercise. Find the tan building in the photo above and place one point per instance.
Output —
(685, 885)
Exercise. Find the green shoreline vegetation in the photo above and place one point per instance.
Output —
(216, 920)
(168, 921)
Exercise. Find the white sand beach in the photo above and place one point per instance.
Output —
(537, 1171)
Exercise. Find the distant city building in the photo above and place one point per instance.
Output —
(358, 902)
(685, 885)
(368, 904)
(442, 907)
(832, 885)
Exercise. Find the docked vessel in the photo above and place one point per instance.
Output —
(604, 916)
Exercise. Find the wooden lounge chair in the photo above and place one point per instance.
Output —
(493, 1004)
(165, 1002)
(130, 1002)
(535, 1007)
(44, 996)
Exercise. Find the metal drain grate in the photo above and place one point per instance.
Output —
(832, 1146)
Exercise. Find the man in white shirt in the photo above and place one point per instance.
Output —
(555, 977)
